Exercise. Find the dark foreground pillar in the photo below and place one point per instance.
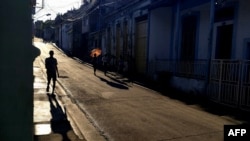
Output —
(16, 71)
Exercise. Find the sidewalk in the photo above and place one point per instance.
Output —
(50, 119)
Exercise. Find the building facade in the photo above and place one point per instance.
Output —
(206, 48)
(202, 46)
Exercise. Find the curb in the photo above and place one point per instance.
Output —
(85, 129)
(84, 126)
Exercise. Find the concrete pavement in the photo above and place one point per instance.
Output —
(112, 110)
(51, 122)
(57, 117)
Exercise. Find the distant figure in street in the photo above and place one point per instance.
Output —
(52, 71)
(105, 63)
(94, 62)
(120, 65)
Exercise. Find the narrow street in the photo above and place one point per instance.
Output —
(123, 111)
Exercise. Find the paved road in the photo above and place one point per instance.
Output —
(123, 111)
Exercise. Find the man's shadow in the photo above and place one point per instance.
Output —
(59, 122)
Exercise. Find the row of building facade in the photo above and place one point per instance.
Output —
(202, 46)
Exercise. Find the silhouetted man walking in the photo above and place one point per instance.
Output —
(94, 61)
(51, 66)
(105, 63)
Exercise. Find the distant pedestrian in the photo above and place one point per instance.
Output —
(105, 63)
(94, 62)
(120, 65)
(52, 70)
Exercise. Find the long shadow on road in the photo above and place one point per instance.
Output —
(117, 80)
(113, 84)
(59, 122)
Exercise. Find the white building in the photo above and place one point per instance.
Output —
(204, 46)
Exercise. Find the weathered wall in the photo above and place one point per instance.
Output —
(160, 33)
(242, 22)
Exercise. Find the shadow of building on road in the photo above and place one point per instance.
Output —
(203, 103)
(59, 122)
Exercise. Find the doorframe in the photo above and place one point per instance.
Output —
(143, 18)
(246, 49)
(196, 48)
(216, 25)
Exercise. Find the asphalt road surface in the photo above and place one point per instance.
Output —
(124, 111)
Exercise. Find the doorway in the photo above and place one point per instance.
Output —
(141, 46)
(224, 41)
(188, 38)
